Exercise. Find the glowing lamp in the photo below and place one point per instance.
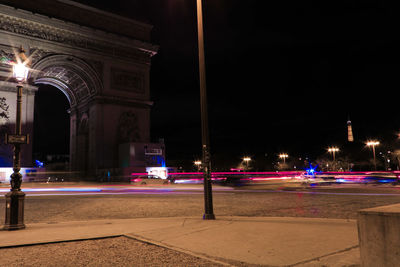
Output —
(20, 72)
(333, 149)
(372, 143)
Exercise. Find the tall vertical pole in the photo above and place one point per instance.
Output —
(334, 160)
(373, 151)
(208, 203)
(16, 176)
(14, 219)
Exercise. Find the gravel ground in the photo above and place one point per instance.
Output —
(120, 251)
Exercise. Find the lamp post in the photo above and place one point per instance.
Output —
(14, 219)
(283, 156)
(208, 203)
(198, 165)
(247, 159)
(333, 150)
(373, 144)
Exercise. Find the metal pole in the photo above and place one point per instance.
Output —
(208, 203)
(16, 176)
(373, 149)
(334, 161)
(14, 219)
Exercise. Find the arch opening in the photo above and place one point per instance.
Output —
(51, 128)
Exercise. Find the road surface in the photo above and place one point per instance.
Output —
(66, 202)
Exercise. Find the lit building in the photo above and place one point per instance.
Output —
(136, 157)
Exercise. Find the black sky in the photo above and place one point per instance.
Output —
(282, 76)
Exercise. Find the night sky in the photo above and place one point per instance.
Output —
(282, 76)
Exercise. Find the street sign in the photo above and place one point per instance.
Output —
(17, 139)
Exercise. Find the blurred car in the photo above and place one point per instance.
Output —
(381, 178)
(149, 180)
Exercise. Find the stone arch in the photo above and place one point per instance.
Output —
(103, 71)
(80, 83)
(72, 75)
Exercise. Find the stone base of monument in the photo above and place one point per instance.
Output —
(379, 236)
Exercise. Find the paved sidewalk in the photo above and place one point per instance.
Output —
(270, 241)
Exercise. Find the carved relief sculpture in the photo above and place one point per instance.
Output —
(127, 81)
(128, 128)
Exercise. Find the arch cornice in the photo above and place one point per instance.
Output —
(27, 24)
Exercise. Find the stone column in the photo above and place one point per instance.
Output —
(72, 141)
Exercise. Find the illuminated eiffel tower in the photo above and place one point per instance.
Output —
(350, 136)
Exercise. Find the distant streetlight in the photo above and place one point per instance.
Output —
(198, 164)
(246, 160)
(14, 219)
(333, 150)
(373, 144)
(208, 203)
(283, 156)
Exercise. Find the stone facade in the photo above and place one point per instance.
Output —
(103, 74)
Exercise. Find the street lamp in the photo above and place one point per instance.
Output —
(208, 203)
(14, 219)
(246, 160)
(198, 164)
(373, 144)
(333, 150)
(283, 156)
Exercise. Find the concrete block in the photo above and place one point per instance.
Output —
(379, 236)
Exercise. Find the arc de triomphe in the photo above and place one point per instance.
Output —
(100, 61)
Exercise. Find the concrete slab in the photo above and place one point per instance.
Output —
(39, 233)
(266, 240)
(271, 241)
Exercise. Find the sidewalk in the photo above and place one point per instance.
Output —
(270, 241)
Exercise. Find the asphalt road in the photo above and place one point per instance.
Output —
(103, 201)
